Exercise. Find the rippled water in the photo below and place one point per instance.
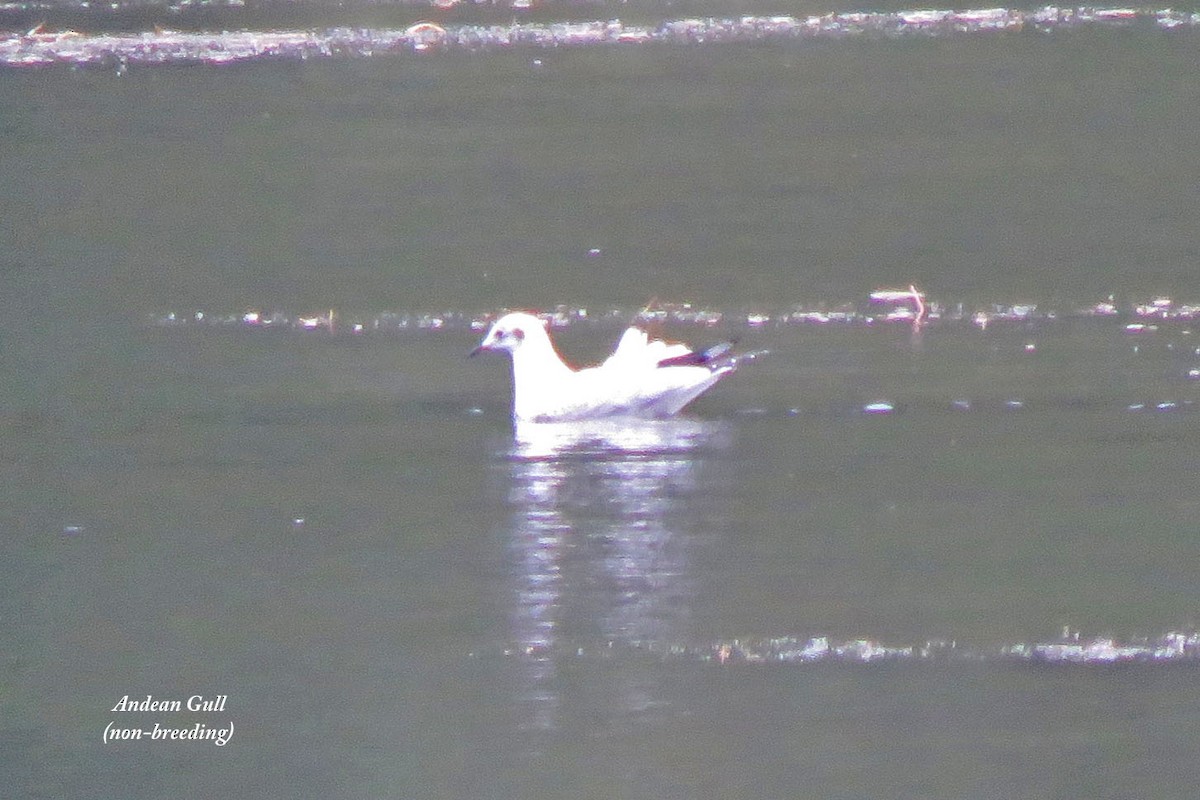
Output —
(954, 560)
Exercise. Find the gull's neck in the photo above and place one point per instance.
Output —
(538, 371)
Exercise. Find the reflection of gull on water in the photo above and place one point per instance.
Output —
(619, 439)
(595, 554)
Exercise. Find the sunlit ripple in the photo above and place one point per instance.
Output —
(1141, 315)
(1173, 647)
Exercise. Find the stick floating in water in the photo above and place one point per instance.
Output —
(916, 315)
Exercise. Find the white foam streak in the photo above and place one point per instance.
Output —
(1137, 316)
(42, 48)
(1171, 648)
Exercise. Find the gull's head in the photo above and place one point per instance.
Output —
(509, 333)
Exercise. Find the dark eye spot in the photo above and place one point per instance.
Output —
(518, 334)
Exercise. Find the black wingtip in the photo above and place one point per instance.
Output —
(706, 357)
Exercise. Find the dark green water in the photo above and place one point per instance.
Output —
(336, 533)
(1023, 167)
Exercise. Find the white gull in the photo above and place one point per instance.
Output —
(643, 378)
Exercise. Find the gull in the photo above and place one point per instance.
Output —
(644, 378)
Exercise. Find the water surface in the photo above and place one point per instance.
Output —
(401, 599)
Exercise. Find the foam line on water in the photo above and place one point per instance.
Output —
(1137, 317)
(40, 47)
(1173, 647)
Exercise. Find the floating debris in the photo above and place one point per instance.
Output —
(39, 47)
(908, 305)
